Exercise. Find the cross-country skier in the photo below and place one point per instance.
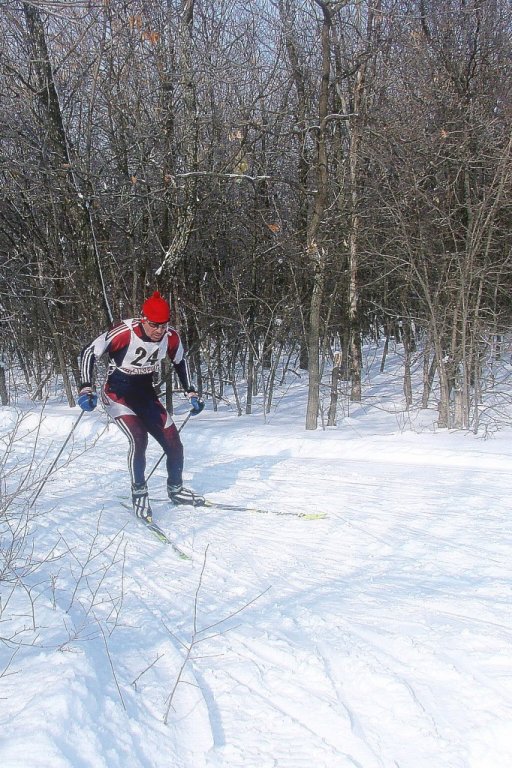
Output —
(135, 348)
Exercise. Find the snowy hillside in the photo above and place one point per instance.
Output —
(377, 637)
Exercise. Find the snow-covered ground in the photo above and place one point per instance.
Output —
(377, 637)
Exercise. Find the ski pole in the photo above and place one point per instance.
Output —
(187, 417)
(45, 478)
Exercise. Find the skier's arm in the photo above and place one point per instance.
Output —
(183, 374)
(112, 341)
(88, 358)
(87, 397)
(176, 353)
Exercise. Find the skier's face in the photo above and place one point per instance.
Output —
(154, 331)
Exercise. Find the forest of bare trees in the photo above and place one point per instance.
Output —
(298, 176)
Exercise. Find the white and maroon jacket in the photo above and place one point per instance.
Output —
(132, 354)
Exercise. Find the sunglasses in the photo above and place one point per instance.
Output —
(155, 325)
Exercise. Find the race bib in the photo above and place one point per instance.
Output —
(143, 357)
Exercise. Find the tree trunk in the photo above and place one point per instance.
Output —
(314, 347)
(315, 253)
(185, 209)
(335, 376)
(4, 395)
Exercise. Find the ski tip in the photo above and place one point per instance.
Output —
(313, 515)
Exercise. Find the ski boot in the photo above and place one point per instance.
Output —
(140, 501)
(180, 495)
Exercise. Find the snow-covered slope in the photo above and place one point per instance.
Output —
(378, 637)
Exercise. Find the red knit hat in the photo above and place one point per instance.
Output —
(156, 309)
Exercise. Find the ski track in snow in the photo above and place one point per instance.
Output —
(379, 637)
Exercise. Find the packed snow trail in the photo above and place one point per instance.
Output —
(377, 637)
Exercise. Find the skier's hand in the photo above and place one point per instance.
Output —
(196, 402)
(87, 399)
(197, 405)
